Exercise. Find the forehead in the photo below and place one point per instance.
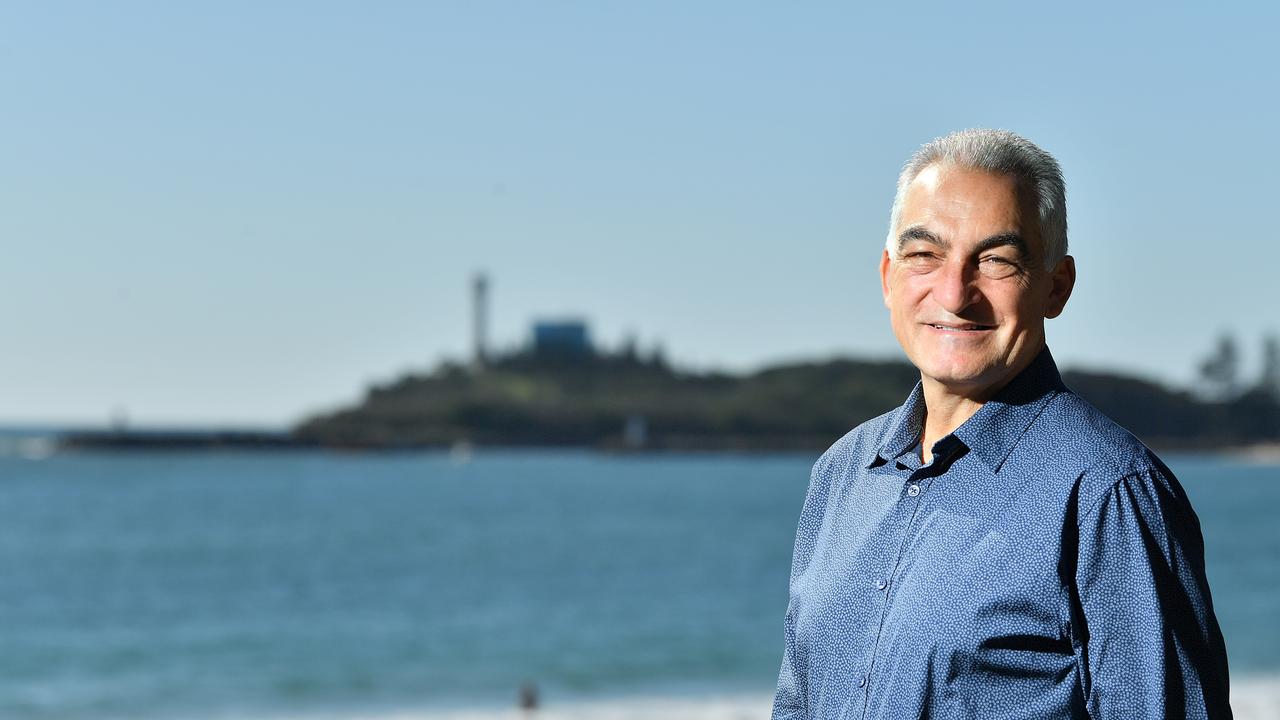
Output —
(965, 203)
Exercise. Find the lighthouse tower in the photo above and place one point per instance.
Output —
(479, 319)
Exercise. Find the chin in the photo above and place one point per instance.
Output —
(961, 376)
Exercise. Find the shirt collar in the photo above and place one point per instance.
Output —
(993, 431)
(904, 431)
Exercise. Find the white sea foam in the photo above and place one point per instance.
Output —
(720, 707)
(1251, 699)
(728, 707)
(1256, 698)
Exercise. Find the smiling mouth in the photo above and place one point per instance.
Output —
(966, 327)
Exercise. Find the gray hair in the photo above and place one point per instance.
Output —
(997, 151)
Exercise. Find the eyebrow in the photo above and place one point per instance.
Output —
(915, 232)
(1014, 240)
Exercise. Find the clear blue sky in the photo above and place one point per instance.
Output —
(243, 212)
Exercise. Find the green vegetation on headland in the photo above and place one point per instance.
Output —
(626, 402)
(578, 397)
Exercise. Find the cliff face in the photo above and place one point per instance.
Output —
(622, 401)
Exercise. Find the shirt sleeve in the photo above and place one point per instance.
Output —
(1147, 642)
(791, 698)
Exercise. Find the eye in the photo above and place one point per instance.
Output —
(995, 266)
(920, 261)
(918, 255)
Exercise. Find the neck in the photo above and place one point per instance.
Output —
(948, 407)
(944, 412)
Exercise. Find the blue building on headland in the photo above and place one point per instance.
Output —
(561, 338)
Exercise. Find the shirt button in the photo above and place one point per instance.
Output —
(862, 681)
(913, 489)
(882, 584)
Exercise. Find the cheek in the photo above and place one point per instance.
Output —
(901, 307)
(907, 289)
(1011, 300)
(1025, 311)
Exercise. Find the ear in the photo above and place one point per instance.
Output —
(1063, 279)
(884, 276)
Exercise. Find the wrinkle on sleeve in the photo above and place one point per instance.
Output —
(1153, 647)
(788, 700)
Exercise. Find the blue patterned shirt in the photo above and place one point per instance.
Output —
(1045, 564)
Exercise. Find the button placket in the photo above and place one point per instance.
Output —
(914, 487)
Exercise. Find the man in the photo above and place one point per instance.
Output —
(995, 547)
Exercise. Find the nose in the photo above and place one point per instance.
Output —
(955, 288)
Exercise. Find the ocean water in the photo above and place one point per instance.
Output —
(319, 585)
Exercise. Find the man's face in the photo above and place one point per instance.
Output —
(966, 287)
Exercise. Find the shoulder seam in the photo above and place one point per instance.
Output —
(1111, 489)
